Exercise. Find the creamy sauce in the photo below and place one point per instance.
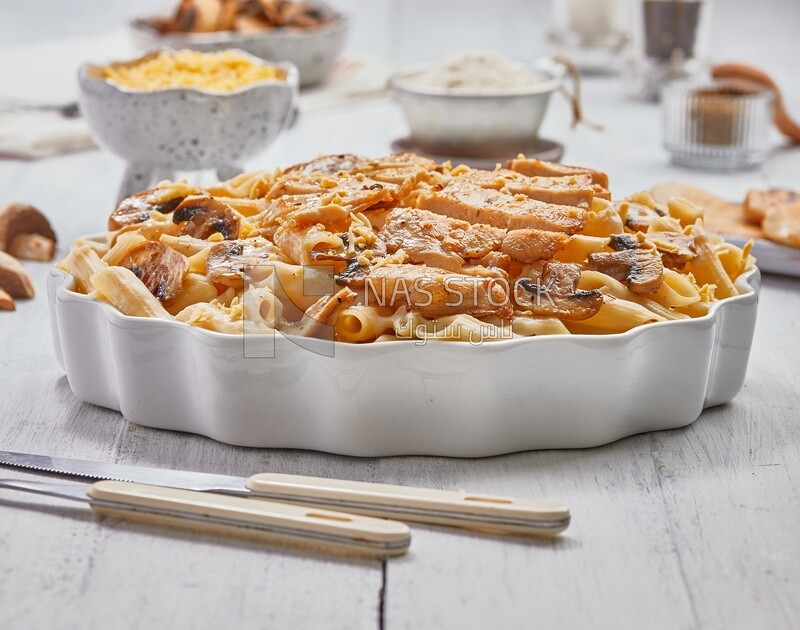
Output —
(476, 73)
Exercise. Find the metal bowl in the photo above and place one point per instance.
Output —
(475, 124)
(313, 51)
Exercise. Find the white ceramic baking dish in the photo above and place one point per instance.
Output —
(401, 398)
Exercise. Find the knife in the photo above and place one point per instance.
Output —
(265, 521)
(479, 512)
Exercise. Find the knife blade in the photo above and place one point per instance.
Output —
(202, 482)
(266, 521)
(479, 512)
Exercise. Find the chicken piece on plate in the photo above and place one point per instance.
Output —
(469, 202)
(758, 202)
(782, 224)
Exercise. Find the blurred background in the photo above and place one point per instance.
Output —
(43, 43)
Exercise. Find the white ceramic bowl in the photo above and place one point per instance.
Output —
(462, 124)
(313, 51)
(401, 398)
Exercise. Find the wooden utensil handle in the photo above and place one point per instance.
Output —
(266, 521)
(462, 509)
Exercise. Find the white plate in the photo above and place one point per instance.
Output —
(402, 398)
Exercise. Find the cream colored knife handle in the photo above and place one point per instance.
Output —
(496, 514)
(262, 520)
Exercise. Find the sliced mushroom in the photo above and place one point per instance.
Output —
(26, 233)
(557, 294)
(676, 248)
(318, 319)
(638, 216)
(638, 265)
(137, 208)
(159, 267)
(205, 216)
(6, 302)
(226, 261)
(14, 280)
(354, 275)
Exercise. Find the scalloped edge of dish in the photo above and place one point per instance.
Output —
(403, 398)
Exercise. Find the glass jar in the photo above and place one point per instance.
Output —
(591, 33)
(670, 42)
(721, 126)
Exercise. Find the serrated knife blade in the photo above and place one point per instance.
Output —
(188, 480)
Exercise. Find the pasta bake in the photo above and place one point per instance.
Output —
(361, 249)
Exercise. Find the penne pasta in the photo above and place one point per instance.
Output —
(399, 248)
(676, 290)
(530, 325)
(706, 267)
(195, 288)
(580, 246)
(358, 324)
(123, 290)
(124, 243)
(84, 263)
(615, 316)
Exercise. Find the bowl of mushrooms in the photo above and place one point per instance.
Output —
(309, 35)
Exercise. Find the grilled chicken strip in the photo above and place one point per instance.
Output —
(532, 167)
(369, 191)
(436, 240)
(435, 292)
(469, 202)
(572, 190)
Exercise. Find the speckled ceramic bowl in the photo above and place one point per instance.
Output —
(162, 131)
(313, 51)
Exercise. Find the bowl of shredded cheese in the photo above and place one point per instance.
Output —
(186, 110)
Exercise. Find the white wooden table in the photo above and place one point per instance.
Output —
(693, 528)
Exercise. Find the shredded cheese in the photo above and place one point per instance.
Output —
(224, 71)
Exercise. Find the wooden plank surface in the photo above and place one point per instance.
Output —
(694, 528)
